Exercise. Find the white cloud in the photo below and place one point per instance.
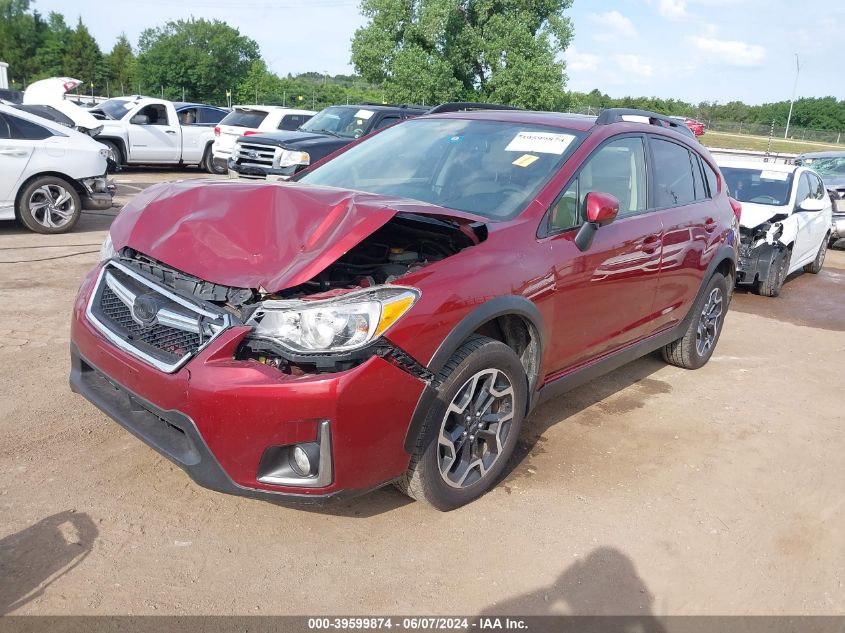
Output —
(633, 65)
(672, 9)
(730, 52)
(613, 25)
(581, 62)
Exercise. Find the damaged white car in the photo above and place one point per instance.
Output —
(785, 225)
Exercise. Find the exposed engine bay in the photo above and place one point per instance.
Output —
(404, 244)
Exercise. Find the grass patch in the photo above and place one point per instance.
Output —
(724, 140)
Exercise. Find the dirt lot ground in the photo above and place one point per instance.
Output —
(652, 490)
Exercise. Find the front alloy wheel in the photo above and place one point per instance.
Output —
(475, 428)
(49, 205)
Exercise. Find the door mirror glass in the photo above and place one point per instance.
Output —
(813, 205)
(602, 208)
(140, 119)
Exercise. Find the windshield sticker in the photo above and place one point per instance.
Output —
(456, 139)
(774, 175)
(525, 160)
(540, 143)
(364, 114)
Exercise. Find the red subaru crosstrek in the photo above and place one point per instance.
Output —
(396, 313)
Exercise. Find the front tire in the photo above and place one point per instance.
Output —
(471, 430)
(49, 205)
(208, 163)
(771, 285)
(816, 267)
(114, 154)
(696, 346)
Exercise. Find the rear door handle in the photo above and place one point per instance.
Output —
(710, 225)
(170, 131)
(651, 244)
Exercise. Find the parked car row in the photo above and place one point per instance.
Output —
(393, 313)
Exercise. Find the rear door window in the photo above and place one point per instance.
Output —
(21, 129)
(211, 115)
(291, 122)
(244, 118)
(697, 178)
(674, 185)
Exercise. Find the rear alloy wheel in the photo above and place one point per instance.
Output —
(816, 267)
(471, 430)
(49, 205)
(696, 346)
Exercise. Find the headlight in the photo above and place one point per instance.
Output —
(289, 158)
(105, 153)
(107, 249)
(334, 325)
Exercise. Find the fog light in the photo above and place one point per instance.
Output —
(301, 463)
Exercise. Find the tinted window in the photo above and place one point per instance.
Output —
(712, 179)
(697, 178)
(673, 181)
(22, 129)
(387, 121)
(211, 115)
(618, 168)
(760, 186)
(492, 168)
(293, 121)
(244, 118)
(188, 116)
(4, 128)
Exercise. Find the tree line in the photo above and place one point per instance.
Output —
(409, 51)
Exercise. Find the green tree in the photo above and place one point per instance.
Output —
(83, 59)
(21, 35)
(204, 58)
(492, 50)
(121, 66)
(50, 57)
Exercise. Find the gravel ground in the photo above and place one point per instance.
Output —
(653, 490)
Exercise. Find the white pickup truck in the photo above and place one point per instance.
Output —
(145, 131)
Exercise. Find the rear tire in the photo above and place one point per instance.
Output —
(816, 267)
(116, 154)
(696, 346)
(472, 428)
(773, 282)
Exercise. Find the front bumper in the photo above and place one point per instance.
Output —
(98, 193)
(754, 262)
(218, 418)
(838, 226)
(262, 173)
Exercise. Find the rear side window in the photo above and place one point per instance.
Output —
(617, 168)
(674, 185)
(712, 179)
(21, 129)
(697, 178)
(291, 122)
(244, 118)
(211, 115)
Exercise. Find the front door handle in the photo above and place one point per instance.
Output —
(170, 131)
(651, 244)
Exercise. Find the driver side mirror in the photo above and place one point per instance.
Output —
(602, 209)
(140, 119)
(813, 205)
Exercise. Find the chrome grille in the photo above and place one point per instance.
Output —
(148, 321)
(255, 155)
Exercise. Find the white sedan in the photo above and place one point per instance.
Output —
(785, 225)
(48, 173)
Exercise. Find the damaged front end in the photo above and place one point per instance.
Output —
(759, 249)
(97, 193)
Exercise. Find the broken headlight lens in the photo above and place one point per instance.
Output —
(107, 249)
(334, 325)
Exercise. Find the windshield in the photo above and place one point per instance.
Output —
(490, 168)
(116, 108)
(348, 122)
(760, 186)
(244, 118)
(826, 167)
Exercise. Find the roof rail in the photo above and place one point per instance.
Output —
(463, 106)
(393, 105)
(615, 115)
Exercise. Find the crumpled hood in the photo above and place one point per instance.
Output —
(256, 235)
(52, 91)
(287, 139)
(754, 214)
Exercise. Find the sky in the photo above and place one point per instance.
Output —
(694, 50)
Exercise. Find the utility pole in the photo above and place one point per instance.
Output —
(794, 92)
